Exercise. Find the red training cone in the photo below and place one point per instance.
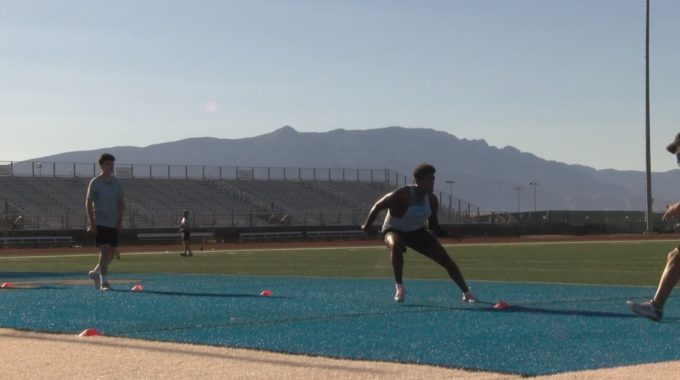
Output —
(500, 305)
(89, 332)
(266, 293)
(137, 288)
(7, 285)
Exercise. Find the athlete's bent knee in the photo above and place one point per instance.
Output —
(674, 256)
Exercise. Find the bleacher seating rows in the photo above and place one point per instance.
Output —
(35, 240)
(58, 202)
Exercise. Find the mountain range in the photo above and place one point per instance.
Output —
(484, 175)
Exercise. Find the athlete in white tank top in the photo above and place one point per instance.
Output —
(415, 218)
(411, 211)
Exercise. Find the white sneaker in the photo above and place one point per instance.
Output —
(95, 277)
(469, 297)
(645, 309)
(399, 294)
(105, 287)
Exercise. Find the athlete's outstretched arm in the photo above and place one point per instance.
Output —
(390, 200)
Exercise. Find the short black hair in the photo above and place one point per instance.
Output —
(423, 170)
(105, 157)
(673, 147)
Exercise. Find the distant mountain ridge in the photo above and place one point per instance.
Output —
(483, 174)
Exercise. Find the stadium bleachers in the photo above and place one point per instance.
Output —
(44, 202)
(261, 203)
(41, 196)
(58, 202)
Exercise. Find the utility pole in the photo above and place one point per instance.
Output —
(519, 189)
(534, 184)
(450, 182)
(648, 165)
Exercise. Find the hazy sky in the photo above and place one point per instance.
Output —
(563, 79)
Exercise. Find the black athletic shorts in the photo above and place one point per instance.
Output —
(415, 239)
(107, 235)
(186, 235)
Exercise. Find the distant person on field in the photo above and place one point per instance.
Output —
(411, 221)
(653, 309)
(185, 230)
(104, 205)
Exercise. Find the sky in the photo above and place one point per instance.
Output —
(562, 79)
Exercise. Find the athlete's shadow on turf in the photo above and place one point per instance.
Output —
(216, 295)
(19, 287)
(39, 275)
(486, 307)
(581, 313)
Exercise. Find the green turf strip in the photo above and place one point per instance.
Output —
(625, 263)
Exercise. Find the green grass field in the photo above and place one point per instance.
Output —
(625, 263)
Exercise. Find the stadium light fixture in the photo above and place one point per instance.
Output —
(534, 184)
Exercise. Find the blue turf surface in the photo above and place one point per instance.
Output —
(549, 328)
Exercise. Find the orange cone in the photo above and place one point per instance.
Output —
(89, 332)
(266, 293)
(7, 285)
(137, 288)
(501, 305)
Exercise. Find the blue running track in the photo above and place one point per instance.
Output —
(549, 328)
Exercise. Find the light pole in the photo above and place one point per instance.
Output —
(450, 182)
(534, 184)
(648, 161)
(519, 189)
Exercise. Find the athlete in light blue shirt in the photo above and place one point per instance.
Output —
(104, 204)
